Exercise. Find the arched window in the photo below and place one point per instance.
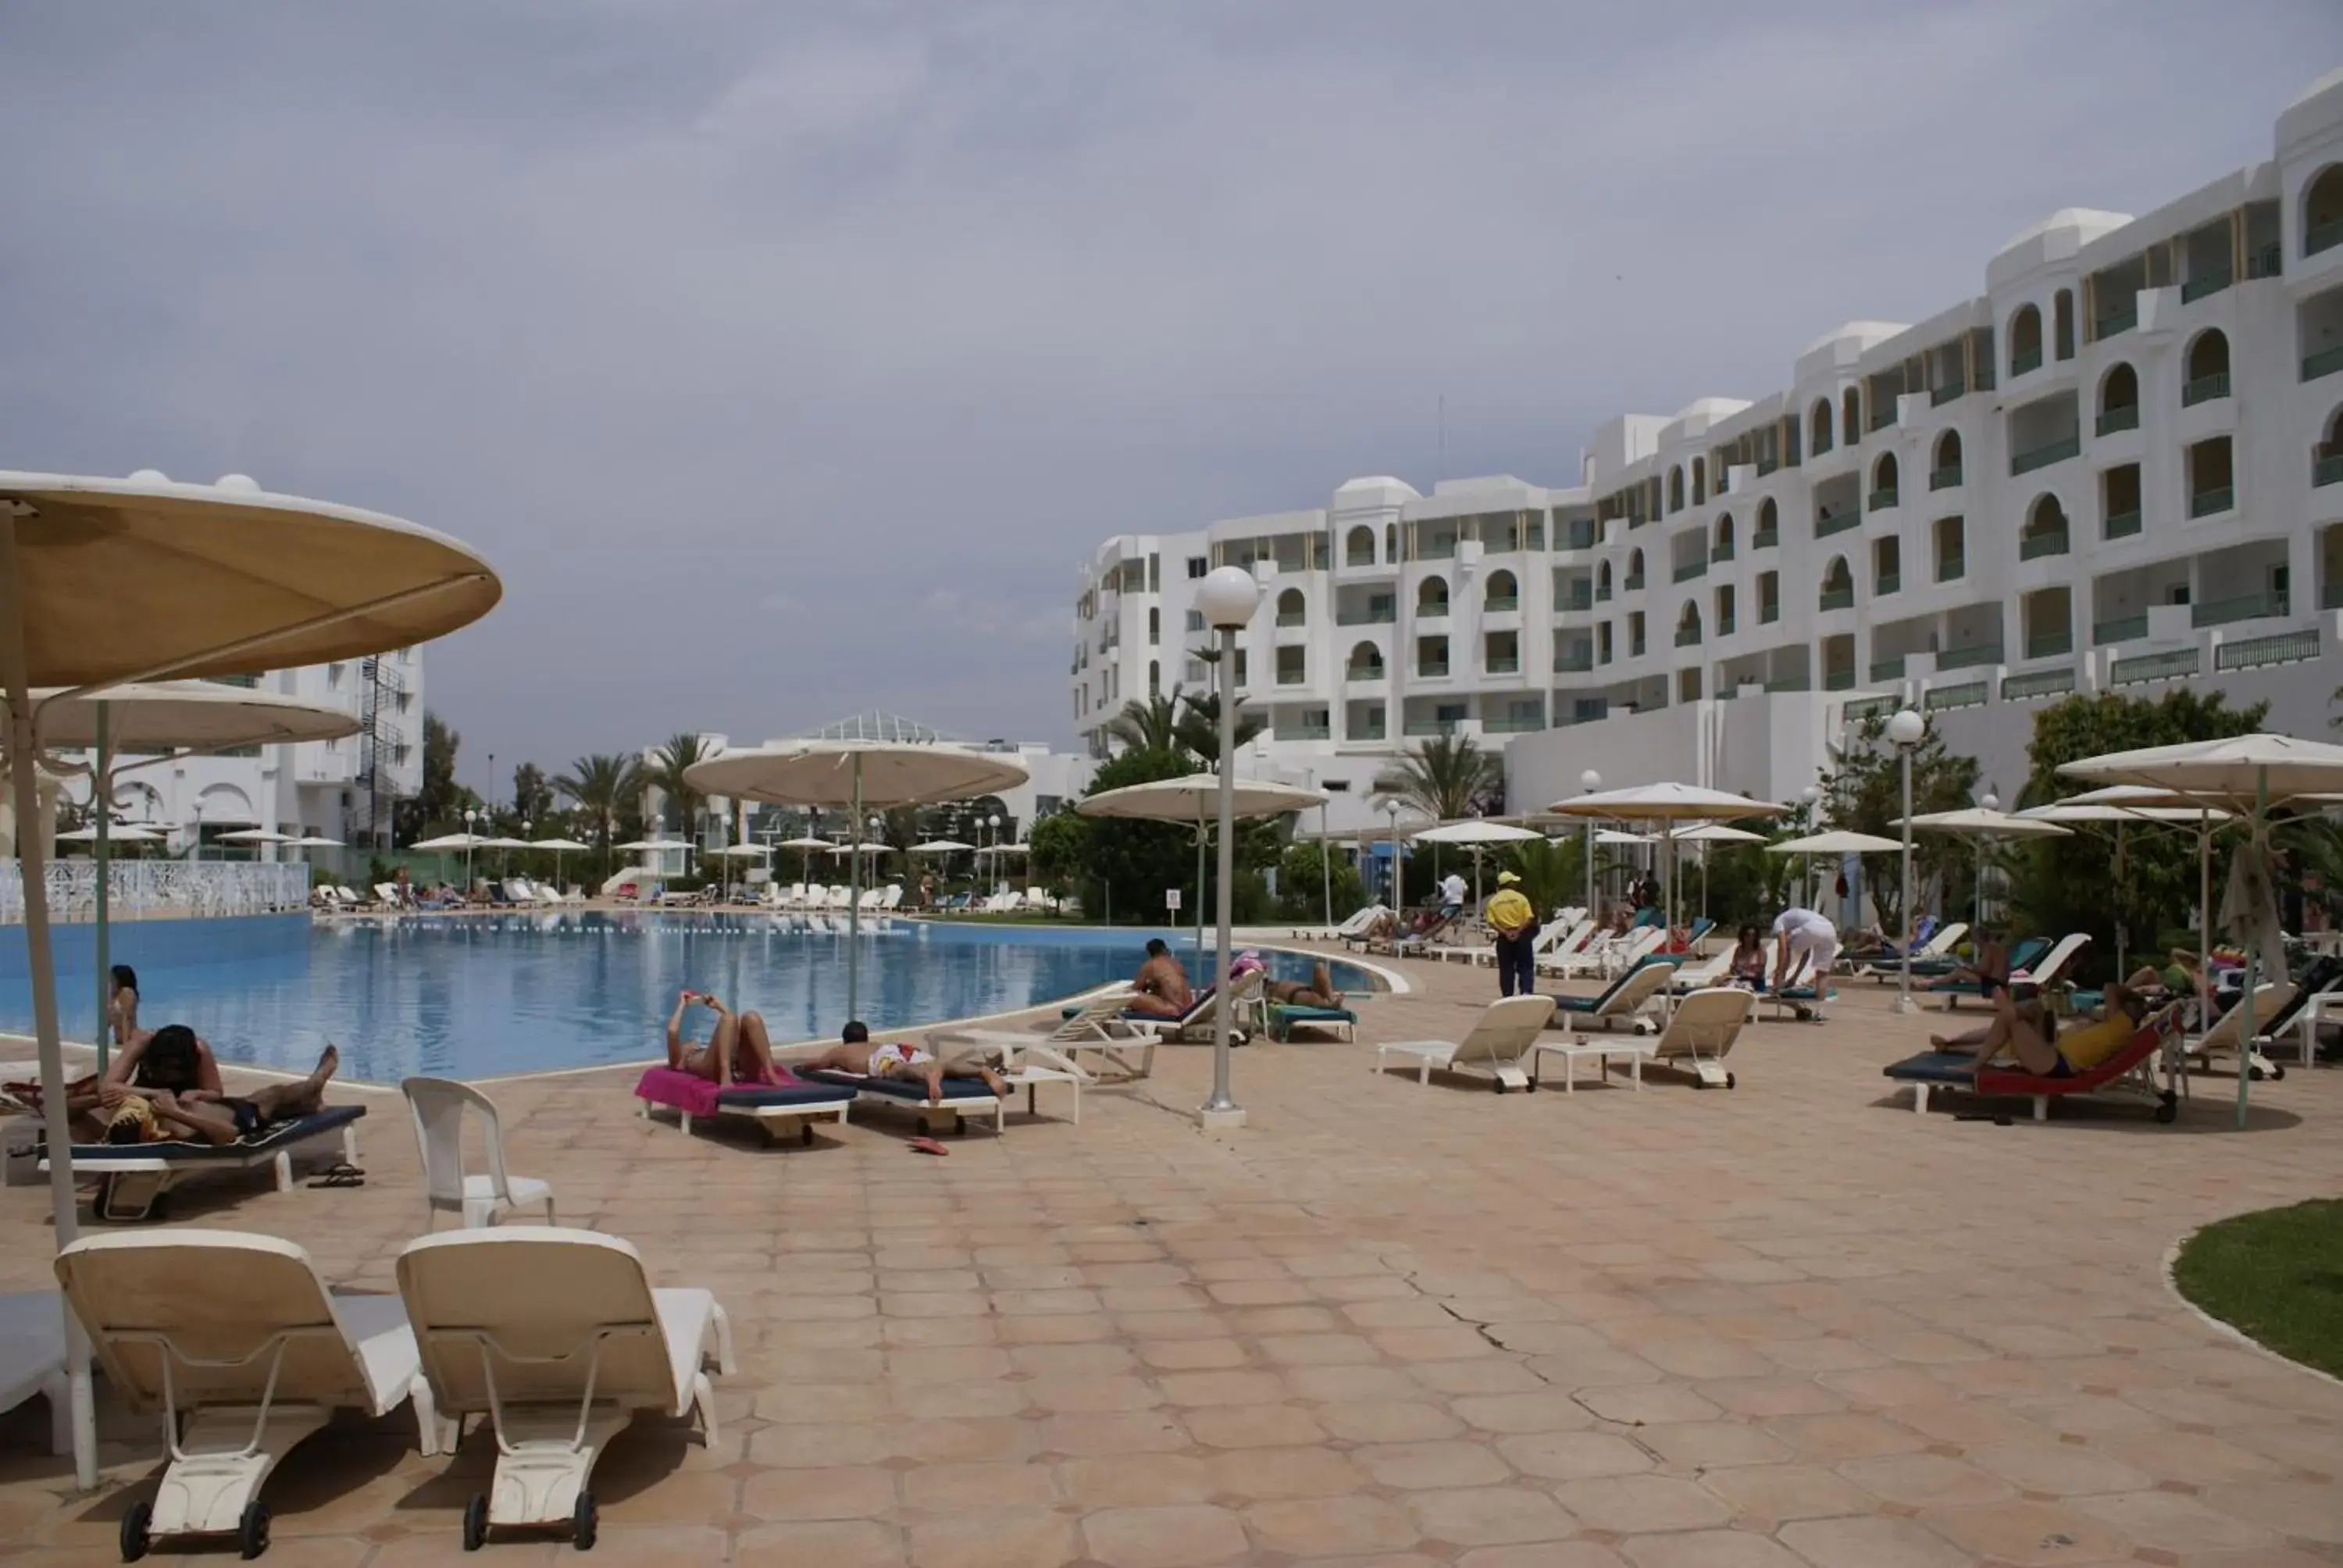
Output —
(1291, 610)
(1154, 623)
(1359, 547)
(1821, 421)
(2046, 521)
(1838, 584)
(2322, 211)
(1675, 488)
(2062, 323)
(1769, 518)
(1850, 417)
(1948, 467)
(1688, 622)
(1882, 481)
(2208, 367)
(1503, 593)
(2025, 340)
(1366, 662)
(1699, 480)
(1431, 597)
(1634, 569)
(1723, 550)
(2118, 394)
(1603, 580)
(2333, 447)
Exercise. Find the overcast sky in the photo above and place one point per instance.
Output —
(787, 359)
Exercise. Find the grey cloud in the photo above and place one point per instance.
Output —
(787, 359)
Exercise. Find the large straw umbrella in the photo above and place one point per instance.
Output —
(876, 775)
(1476, 834)
(2251, 775)
(1665, 805)
(177, 718)
(106, 581)
(1194, 802)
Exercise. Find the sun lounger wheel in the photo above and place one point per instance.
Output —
(252, 1529)
(476, 1521)
(2167, 1107)
(584, 1522)
(136, 1537)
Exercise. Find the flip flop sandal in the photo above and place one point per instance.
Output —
(344, 1175)
(928, 1146)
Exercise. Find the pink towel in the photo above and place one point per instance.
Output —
(685, 1092)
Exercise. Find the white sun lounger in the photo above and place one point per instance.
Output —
(2270, 998)
(138, 1175)
(32, 1359)
(1701, 1034)
(237, 1342)
(1495, 1045)
(559, 1339)
(1939, 946)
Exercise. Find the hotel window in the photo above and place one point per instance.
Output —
(1195, 620)
(1154, 625)
(1198, 564)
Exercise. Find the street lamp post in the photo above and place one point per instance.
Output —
(1590, 781)
(471, 830)
(1992, 802)
(993, 822)
(1228, 596)
(1905, 729)
(1399, 891)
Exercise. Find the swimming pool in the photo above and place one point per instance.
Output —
(479, 996)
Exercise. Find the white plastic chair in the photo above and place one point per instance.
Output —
(438, 1106)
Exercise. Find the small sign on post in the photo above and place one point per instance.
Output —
(1171, 900)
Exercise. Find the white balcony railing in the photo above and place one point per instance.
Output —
(142, 890)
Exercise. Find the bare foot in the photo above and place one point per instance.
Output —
(935, 1083)
(1938, 1042)
(994, 1081)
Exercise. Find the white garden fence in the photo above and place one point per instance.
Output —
(147, 890)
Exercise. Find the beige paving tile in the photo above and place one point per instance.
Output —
(1175, 1535)
(1642, 1504)
(1490, 1515)
(1708, 1549)
(1871, 1542)
(1414, 1465)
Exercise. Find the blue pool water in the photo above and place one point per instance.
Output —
(477, 997)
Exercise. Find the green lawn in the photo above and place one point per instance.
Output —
(2277, 1276)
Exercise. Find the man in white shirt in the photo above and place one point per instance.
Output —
(1802, 939)
(1452, 892)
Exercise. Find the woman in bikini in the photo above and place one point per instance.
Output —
(739, 1050)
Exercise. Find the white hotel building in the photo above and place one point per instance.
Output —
(2118, 466)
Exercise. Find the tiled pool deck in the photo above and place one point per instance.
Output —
(1788, 1324)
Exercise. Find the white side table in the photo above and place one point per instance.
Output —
(1636, 1049)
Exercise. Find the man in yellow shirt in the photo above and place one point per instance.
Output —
(1508, 915)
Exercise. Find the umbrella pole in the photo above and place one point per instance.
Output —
(1203, 835)
(101, 789)
(2253, 952)
(854, 900)
(2121, 972)
(32, 856)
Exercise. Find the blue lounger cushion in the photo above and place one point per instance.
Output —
(1284, 1017)
(1933, 1067)
(909, 1089)
(763, 1096)
(185, 1152)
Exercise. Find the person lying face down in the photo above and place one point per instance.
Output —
(857, 1053)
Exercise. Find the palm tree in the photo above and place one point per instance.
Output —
(601, 783)
(1445, 778)
(1200, 725)
(1149, 725)
(667, 775)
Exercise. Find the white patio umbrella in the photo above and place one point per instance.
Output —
(1194, 801)
(255, 835)
(175, 719)
(105, 581)
(805, 847)
(1985, 824)
(875, 775)
(120, 833)
(2251, 775)
(941, 847)
(1476, 834)
(1665, 805)
(559, 847)
(1837, 842)
(2111, 812)
(745, 851)
(1709, 833)
(447, 844)
(313, 842)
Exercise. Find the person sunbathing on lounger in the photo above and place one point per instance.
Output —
(855, 1053)
(1319, 992)
(739, 1050)
(1987, 967)
(208, 1114)
(2030, 1032)
(1161, 984)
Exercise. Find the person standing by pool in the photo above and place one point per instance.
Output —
(1161, 984)
(1508, 915)
(739, 1050)
(122, 1007)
